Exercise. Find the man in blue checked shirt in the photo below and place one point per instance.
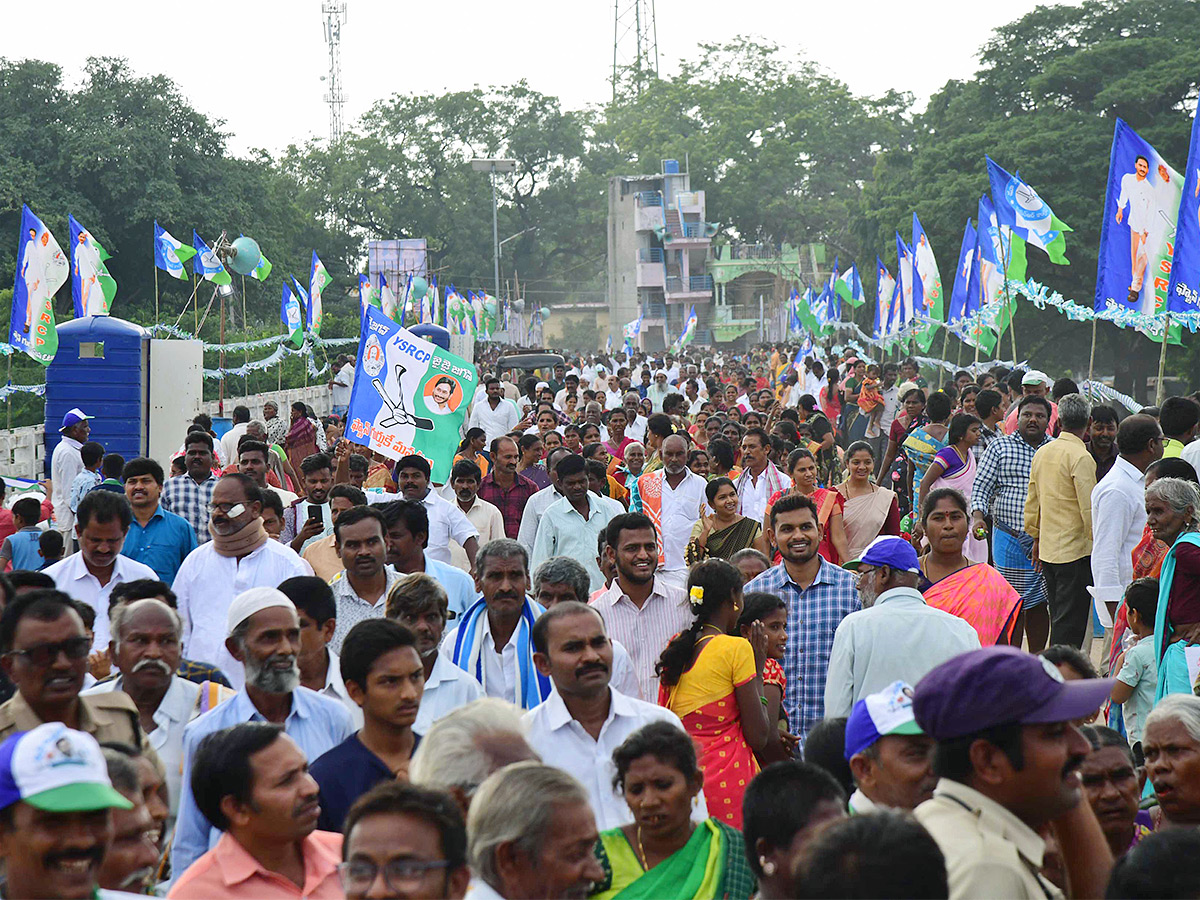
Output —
(818, 595)
(1002, 485)
(188, 495)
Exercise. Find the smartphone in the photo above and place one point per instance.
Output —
(314, 512)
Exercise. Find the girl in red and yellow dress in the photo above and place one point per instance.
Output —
(713, 681)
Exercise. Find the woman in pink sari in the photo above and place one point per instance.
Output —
(952, 583)
(617, 441)
(954, 467)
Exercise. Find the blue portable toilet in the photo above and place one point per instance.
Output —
(102, 368)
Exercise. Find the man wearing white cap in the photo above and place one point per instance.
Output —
(890, 757)
(895, 636)
(55, 824)
(65, 464)
(1037, 384)
(240, 556)
(263, 631)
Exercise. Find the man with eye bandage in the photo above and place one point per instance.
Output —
(240, 556)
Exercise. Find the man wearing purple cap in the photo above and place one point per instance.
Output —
(1008, 758)
(895, 636)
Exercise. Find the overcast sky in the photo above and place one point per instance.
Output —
(258, 64)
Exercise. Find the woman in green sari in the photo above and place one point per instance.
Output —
(725, 532)
(663, 854)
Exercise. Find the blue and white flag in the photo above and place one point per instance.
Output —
(206, 264)
(1183, 288)
(909, 286)
(1020, 208)
(962, 275)
(289, 315)
(92, 287)
(885, 290)
(170, 253)
(1137, 238)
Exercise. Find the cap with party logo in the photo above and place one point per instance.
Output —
(887, 550)
(889, 711)
(57, 770)
(974, 691)
(73, 418)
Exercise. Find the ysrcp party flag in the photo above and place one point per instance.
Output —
(317, 279)
(170, 253)
(368, 294)
(925, 272)
(409, 396)
(849, 286)
(207, 264)
(909, 286)
(962, 276)
(42, 268)
(92, 288)
(885, 287)
(289, 314)
(1020, 208)
(1183, 289)
(387, 298)
(1137, 238)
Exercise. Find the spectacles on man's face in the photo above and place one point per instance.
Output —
(358, 875)
(864, 574)
(46, 654)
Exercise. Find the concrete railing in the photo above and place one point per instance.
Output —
(23, 450)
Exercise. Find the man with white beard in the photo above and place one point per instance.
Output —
(264, 636)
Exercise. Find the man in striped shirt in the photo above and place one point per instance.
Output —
(640, 610)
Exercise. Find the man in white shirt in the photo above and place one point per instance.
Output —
(584, 719)
(636, 422)
(342, 385)
(895, 636)
(65, 464)
(536, 506)
(1119, 508)
(657, 392)
(239, 557)
(612, 396)
(229, 440)
(674, 499)
(492, 640)
(760, 477)
(91, 574)
(1138, 192)
(419, 603)
(253, 457)
(407, 538)
(493, 413)
(445, 521)
(640, 610)
(146, 650)
(571, 387)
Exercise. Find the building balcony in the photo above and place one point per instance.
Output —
(650, 254)
(651, 274)
(697, 288)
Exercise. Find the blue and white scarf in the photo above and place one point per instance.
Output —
(532, 686)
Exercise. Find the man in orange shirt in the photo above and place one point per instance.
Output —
(251, 781)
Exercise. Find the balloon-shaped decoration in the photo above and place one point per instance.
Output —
(544, 312)
(420, 287)
(244, 256)
(519, 305)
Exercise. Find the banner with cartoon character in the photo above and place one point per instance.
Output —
(409, 396)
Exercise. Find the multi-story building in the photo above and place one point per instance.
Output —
(658, 247)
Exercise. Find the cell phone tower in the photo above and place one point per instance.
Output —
(635, 46)
(335, 18)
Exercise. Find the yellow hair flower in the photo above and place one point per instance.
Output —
(696, 596)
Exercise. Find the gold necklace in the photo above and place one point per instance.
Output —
(641, 852)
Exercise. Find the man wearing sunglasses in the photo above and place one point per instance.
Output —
(44, 650)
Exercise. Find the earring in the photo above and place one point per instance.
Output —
(767, 866)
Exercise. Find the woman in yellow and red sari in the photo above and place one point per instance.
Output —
(712, 680)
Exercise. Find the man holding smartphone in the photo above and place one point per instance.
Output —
(310, 517)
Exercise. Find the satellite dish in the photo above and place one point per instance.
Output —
(244, 256)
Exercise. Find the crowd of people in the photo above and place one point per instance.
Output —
(676, 626)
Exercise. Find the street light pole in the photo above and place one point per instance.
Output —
(495, 234)
(493, 167)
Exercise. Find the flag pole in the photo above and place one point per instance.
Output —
(246, 332)
(1162, 360)
(8, 398)
(221, 358)
(1092, 356)
(156, 295)
(195, 307)
(945, 347)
